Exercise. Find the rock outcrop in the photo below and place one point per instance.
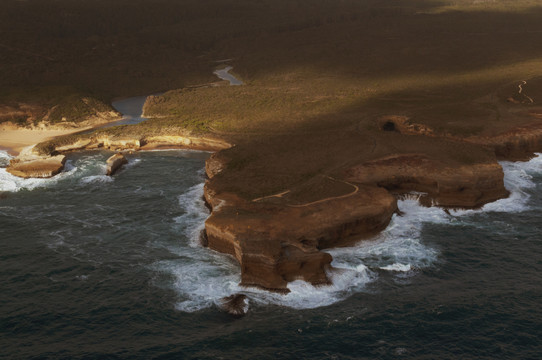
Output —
(114, 163)
(37, 168)
(403, 125)
(443, 185)
(278, 238)
(276, 244)
(517, 144)
(236, 304)
(187, 141)
(115, 143)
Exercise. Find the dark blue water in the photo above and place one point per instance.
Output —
(110, 268)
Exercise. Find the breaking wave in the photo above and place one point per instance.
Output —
(518, 180)
(195, 213)
(4, 158)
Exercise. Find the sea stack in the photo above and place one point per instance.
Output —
(236, 304)
(114, 163)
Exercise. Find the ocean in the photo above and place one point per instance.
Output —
(97, 267)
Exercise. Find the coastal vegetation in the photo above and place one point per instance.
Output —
(51, 105)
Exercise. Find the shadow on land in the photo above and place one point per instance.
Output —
(127, 48)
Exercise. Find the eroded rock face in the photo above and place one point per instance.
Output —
(215, 164)
(464, 186)
(114, 163)
(113, 143)
(37, 168)
(187, 141)
(515, 145)
(77, 145)
(277, 244)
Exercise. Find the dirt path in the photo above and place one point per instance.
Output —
(281, 194)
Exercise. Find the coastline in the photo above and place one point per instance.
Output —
(274, 241)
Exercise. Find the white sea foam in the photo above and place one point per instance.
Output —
(13, 183)
(397, 267)
(202, 285)
(96, 179)
(205, 278)
(4, 158)
(132, 162)
(86, 170)
(195, 213)
(518, 179)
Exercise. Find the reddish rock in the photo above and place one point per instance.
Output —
(277, 244)
(516, 144)
(446, 185)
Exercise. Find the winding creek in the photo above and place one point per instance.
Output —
(132, 108)
(224, 74)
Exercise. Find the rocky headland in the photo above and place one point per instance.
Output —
(278, 239)
(276, 206)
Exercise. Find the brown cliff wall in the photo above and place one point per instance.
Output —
(276, 244)
(445, 185)
(518, 144)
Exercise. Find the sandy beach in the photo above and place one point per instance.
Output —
(14, 140)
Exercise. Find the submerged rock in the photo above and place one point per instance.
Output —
(114, 163)
(236, 304)
(37, 168)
